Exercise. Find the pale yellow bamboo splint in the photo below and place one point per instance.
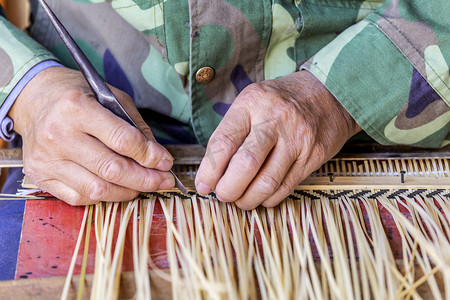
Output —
(217, 251)
(317, 244)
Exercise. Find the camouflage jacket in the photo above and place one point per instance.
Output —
(387, 62)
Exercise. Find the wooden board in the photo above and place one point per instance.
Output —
(11, 158)
(51, 288)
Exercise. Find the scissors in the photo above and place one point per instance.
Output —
(101, 91)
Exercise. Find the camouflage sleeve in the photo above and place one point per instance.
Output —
(391, 72)
(18, 54)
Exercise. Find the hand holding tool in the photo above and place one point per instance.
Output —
(101, 91)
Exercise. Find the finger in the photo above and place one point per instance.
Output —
(117, 169)
(301, 169)
(290, 182)
(90, 186)
(64, 192)
(223, 144)
(269, 180)
(244, 166)
(124, 138)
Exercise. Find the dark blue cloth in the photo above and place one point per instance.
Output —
(11, 218)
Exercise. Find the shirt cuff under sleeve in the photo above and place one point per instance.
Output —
(6, 128)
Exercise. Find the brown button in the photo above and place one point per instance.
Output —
(204, 75)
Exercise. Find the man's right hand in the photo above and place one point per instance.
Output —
(81, 152)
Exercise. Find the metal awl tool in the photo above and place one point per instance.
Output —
(101, 91)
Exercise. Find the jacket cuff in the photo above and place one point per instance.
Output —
(6, 124)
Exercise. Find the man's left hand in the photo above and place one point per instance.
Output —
(275, 134)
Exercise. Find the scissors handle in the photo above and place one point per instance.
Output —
(101, 91)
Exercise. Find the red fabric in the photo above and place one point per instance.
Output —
(49, 234)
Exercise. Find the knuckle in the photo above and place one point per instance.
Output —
(121, 138)
(73, 103)
(110, 169)
(248, 160)
(97, 190)
(224, 141)
(151, 183)
(253, 91)
(268, 184)
(43, 184)
(37, 176)
(285, 190)
(29, 171)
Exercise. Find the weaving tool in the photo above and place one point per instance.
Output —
(101, 91)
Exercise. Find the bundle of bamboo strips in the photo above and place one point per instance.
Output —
(307, 248)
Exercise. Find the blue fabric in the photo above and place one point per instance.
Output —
(114, 74)
(6, 124)
(11, 218)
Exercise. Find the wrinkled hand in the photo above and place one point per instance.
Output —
(274, 135)
(81, 152)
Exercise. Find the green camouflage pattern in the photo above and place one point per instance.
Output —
(385, 61)
(399, 87)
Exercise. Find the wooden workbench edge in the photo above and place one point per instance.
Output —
(51, 287)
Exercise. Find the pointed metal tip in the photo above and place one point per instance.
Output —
(179, 185)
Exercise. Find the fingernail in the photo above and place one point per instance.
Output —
(165, 164)
(167, 184)
(203, 189)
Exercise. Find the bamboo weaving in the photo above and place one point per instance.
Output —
(332, 243)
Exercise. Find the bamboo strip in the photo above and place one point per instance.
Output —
(72, 263)
(216, 251)
(85, 255)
